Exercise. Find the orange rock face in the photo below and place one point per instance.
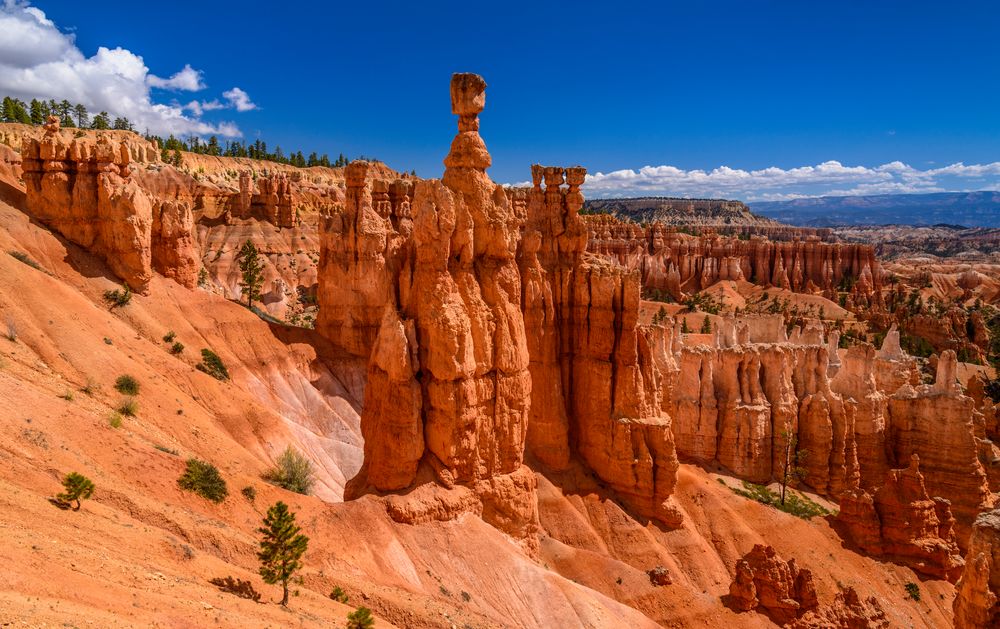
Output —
(977, 603)
(84, 190)
(902, 523)
(441, 324)
(767, 584)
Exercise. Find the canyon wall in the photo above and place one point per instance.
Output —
(84, 190)
(681, 264)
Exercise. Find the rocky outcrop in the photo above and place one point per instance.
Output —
(935, 421)
(599, 379)
(448, 381)
(475, 333)
(681, 264)
(847, 611)
(364, 244)
(83, 189)
(740, 401)
(270, 200)
(767, 584)
(903, 524)
(977, 601)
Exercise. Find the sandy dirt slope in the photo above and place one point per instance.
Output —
(141, 552)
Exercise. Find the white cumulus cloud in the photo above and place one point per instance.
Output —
(187, 79)
(37, 60)
(830, 178)
(238, 99)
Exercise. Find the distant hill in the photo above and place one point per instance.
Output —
(969, 209)
(677, 211)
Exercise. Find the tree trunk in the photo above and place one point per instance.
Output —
(284, 597)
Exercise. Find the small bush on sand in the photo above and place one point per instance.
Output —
(128, 407)
(249, 493)
(912, 590)
(11, 333)
(292, 471)
(118, 297)
(115, 419)
(163, 448)
(361, 618)
(203, 479)
(76, 487)
(338, 594)
(212, 365)
(127, 385)
(177, 348)
(169, 337)
(25, 258)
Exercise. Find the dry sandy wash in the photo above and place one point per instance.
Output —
(504, 433)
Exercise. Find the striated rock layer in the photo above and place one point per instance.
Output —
(680, 264)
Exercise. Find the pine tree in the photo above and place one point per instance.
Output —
(76, 487)
(65, 114)
(176, 159)
(684, 326)
(81, 116)
(281, 548)
(101, 121)
(253, 272)
(706, 326)
(8, 109)
(37, 113)
(122, 124)
(213, 146)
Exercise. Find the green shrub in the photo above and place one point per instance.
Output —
(163, 448)
(169, 337)
(177, 348)
(361, 618)
(203, 479)
(128, 407)
(249, 493)
(127, 385)
(212, 365)
(67, 395)
(76, 487)
(798, 505)
(118, 297)
(91, 387)
(912, 591)
(23, 257)
(115, 419)
(292, 471)
(338, 594)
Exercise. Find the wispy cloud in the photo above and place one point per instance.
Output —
(829, 178)
(38, 60)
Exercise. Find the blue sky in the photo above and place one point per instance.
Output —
(753, 100)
